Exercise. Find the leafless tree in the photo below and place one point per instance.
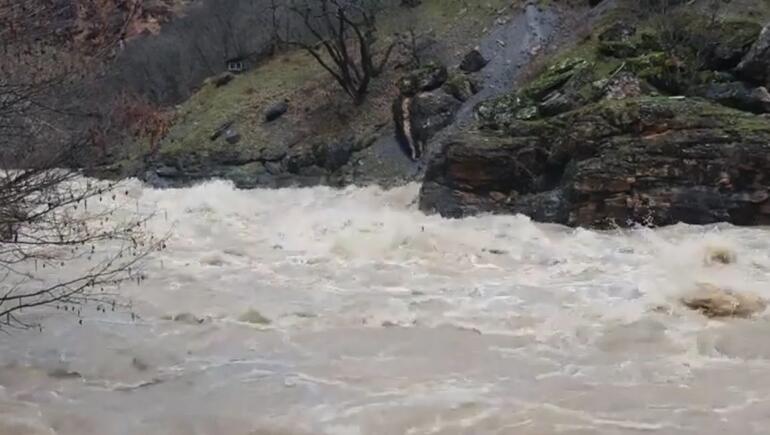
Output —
(55, 226)
(274, 8)
(343, 39)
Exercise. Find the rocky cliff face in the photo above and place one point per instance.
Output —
(622, 130)
(657, 160)
(647, 120)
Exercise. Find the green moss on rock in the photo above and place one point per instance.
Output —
(554, 77)
(423, 79)
(461, 86)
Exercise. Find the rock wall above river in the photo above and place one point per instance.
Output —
(621, 130)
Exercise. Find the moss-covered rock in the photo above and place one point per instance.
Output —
(617, 40)
(634, 125)
(654, 160)
(423, 79)
(680, 50)
(755, 66)
(461, 86)
(661, 70)
(503, 111)
(554, 77)
(563, 86)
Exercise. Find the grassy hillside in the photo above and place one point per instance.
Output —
(319, 110)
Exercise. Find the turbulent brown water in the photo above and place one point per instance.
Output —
(387, 321)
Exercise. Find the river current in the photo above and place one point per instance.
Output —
(349, 312)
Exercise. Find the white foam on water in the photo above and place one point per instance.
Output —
(385, 320)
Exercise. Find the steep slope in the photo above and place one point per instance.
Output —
(221, 131)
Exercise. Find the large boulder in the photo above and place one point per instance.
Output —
(563, 86)
(715, 301)
(335, 155)
(420, 117)
(431, 112)
(423, 79)
(652, 160)
(755, 66)
(738, 95)
(461, 86)
(731, 41)
(429, 97)
(473, 61)
(232, 136)
(276, 110)
(616, 40)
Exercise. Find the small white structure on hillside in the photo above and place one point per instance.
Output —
(236, 65)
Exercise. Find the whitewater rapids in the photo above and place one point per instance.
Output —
(348, 312)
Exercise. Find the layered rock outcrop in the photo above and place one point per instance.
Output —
(626, 134)
(656, 160)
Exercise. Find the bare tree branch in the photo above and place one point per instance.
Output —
(345, 30)
(63, 239)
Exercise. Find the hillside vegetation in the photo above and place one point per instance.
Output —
(319, 113)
